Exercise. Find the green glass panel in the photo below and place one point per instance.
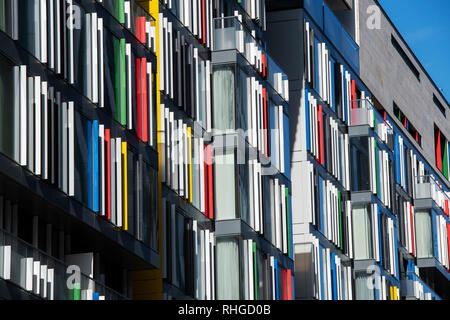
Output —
(445, 160)
(120, 80)
(119, 10)
(75, 293)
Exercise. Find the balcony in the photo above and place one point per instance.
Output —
(414, 288)
(44, 276)
(334, 30)
(428, 188)
(364, 114)
(231, 34)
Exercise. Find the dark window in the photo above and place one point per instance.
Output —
(360, 175)
(81, 156)
(7, 123)
(405, 58)
(438, 104)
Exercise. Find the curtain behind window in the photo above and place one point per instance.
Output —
(224, 98)
(362, 235)
(424, 240)
(362, 290)
(224, 187)
(227, 269)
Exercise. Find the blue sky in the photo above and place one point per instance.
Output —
(425, 25)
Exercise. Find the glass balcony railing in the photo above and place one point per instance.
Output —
(231, 34)
(45, 276)
(329, 23)
(421, 290)
(364, 113)
(428, 188)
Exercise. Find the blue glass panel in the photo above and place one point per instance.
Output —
(435, 242)
(334, 275)
(89, 166)
(95, 165)
(315, 9)
(275, 262)
(321, 273)
(350, 51)
(273, 131)
(332, 27)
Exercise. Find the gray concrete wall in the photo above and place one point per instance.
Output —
(390, 79)
(285, 45)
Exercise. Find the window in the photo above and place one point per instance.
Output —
(224, 98)
(405, 58)
(7, 113)
(244, 191)
(360, 174)
(363, 290)
(362, 232)
(441, 147)
(81, 159)
(242, 100)
(116, 8)
(438, 104)
(82, 53)
(149, 229)
(176, 244)
(132, 189)
(8, 15)
(203, 91)
(227, 269)
(407, 124)
(268, 191)
(115, 86)
(424, 234)
(29, 26)
(224, 186)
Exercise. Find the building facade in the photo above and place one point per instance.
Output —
(218, 149)
(369, 167)
(144, 152)
(225, 199)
